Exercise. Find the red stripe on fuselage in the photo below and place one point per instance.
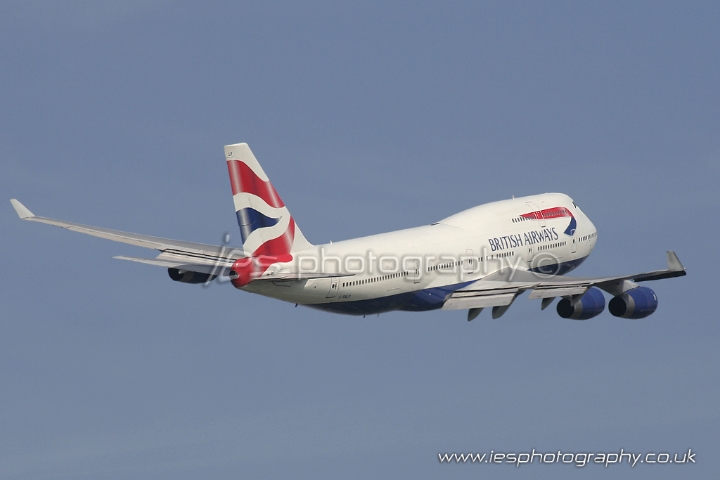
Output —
(243, 179)
(549, 213)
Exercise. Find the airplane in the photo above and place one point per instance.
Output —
(483, 257)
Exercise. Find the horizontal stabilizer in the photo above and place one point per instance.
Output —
(187, 267)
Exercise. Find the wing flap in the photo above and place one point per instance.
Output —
(485, 293)
(559, 291)
(480, 301)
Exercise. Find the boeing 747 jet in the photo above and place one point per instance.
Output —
(484, 257)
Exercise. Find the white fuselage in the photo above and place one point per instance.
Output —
(415, 269)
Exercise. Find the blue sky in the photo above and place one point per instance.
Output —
(367, 117)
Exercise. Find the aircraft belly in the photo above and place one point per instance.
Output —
(295, 291)
(413, 301)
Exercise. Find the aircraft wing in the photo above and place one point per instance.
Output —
(171, 250)
(500, 289)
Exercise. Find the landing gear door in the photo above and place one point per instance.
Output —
(334, 286)
(530, 256)
(411, 269)
(468, 265)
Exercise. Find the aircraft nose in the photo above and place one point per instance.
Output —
(591, 225)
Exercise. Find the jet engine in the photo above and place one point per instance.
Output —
(189, 277)
(636, 303)
(591, 304)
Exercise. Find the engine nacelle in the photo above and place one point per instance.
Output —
(189, 277)
(636, 303)
(590, 305)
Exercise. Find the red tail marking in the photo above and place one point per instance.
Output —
(243, 179)
(280, 245)
(273, 251)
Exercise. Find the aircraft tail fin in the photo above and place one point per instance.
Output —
(266, 226)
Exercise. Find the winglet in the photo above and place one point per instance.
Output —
(674, 264)
(21, 209)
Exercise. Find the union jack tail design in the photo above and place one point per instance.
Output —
(266, 226)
